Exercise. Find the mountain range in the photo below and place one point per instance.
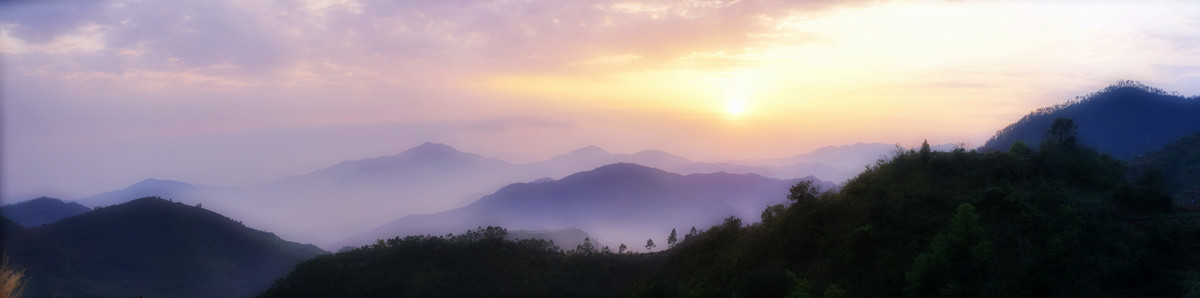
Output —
(435, 177)
(621, 202)
(150, 247)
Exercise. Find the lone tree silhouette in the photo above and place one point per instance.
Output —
(650, 244)
(673, 239)
(1063, 131)
(622, 248)
(925, 150)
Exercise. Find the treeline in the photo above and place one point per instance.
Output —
(477, 263)
(1178, 165)
(1051, 221)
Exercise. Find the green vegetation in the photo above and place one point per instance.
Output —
(12, 280)
(1178, 167)
(478, 263)
(1045, 222)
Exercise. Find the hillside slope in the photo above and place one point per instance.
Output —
(1125, 120)
(1053, 221)
(42, 211)
(151, 247)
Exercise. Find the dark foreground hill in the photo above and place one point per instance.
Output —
(479, 263)
(153, 248)
(1124, 120)
(42, 211)
(1059, 220)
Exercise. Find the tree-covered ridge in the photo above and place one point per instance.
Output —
(1125, 120)
(1050, 221)
(151, 247)
(478, 263)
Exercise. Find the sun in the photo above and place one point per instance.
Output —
(735, 106)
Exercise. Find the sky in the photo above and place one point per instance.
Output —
(97, 95)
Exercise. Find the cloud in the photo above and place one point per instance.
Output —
(42, 21)
(403, 40)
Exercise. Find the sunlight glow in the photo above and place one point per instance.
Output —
(736, 106)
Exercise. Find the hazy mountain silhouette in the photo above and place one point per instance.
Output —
(591, 157)
(833, 163)
(41, 211)
(619, 203)
(154, 248)
(818, 170)
(423, 179)
(365, 193)
(428, 160)
(175, 190)
(1125, 120)
(851, 158)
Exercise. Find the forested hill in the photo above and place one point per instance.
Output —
(1125, 120)
(1057, 220)
(1054, 221)
(150, 247)
(1178, 165)
(479, 263)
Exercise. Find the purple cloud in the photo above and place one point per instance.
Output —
(402, 37)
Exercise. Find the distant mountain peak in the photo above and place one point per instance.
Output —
(145, 188)
(621, 171)
(590, 149)
(430, 148)
(152, 181)
(655, 153)
(42, 210)
(624, 167)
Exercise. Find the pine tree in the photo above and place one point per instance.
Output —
(673, 239)
(925, 150)
(650, 244)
